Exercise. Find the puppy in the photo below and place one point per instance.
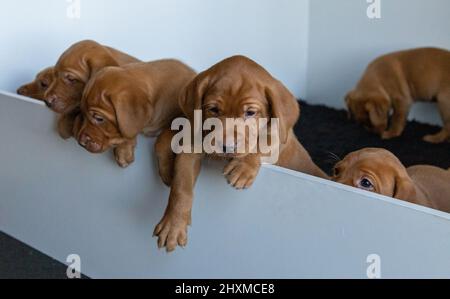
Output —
(39, 86)
(379, 171)
(394, 82)
(71, 74)
(121, 102)
(240, 89)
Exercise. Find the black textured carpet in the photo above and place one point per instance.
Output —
(324, 130)
(321, 130)
(19, 261)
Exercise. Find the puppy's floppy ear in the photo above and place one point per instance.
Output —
(284, 106)
(133, 111)
(191, 97)
(404, 188)
(99, 60)
(378, 116)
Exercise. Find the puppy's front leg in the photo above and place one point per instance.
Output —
(172, 230)
(66, 124)
(124, 153)
(242, 172)
(399, 119)
(444, 110)
(165, 156)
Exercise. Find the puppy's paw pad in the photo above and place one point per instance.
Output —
(171, 233)
(240, 175)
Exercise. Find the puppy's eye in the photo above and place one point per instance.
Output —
(366, 184)
(213, 110)
(98, 119)
(71, 79)
(250, 113)
(43, 84)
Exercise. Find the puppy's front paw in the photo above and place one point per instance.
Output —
(171, 232)
(124, 156)
(65, 128)
(438, 138)
(241, 174)
(387, 135)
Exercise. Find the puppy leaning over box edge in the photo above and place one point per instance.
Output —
(379, 171)
(394, 82)
(37, 88)
(236, 88)
(71, 74)
(121, 102)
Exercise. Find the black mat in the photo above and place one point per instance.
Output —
(321, 130)
(324, 130)
(19, 261)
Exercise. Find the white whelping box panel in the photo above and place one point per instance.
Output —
(61, 200)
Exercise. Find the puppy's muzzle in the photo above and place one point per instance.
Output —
(50, 101)
(22, 91)
(89, 144)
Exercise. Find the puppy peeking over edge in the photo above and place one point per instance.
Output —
(38, 87)
(393, 82)
(236, 88)
(380, 171)
(121, 102)
(72, 72)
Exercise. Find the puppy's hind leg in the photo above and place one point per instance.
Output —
(444, 110)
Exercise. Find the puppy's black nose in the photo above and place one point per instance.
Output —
(84, 140)
(22, 91)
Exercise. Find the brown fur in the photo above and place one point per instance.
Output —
(424, 185)
(229, 90)
(394, 82)
(71, 74)
(37, 88)
(139, 97)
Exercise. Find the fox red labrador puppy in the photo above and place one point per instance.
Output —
(37, 88)
(394, 82)
(121, 102)
(379, 171)
(236, 88)
(71, 74)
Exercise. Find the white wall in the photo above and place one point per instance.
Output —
(318, 49)
(343, 40)
(200, 32)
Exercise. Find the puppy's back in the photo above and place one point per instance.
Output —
(434, 182)
(121, 57)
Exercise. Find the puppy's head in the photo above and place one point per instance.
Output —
(240, 89)
(114, 109)
(375, 170)
(39, 86)
(72, 72)
(371, 111)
